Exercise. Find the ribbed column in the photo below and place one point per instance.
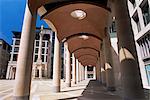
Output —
(73, 69)
(68, 66)
(25, 57)
(131, 79)
(56, 66)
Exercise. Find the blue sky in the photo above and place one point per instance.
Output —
(11, 18)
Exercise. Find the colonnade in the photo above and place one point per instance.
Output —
(131, 81)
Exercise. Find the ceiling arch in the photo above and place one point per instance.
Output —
(94, 23)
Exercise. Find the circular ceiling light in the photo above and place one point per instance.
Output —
(79, 14)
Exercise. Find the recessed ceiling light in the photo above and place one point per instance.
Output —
(84, 37)
(79, 14)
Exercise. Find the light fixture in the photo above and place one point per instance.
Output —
(78, 14)
(84, 37)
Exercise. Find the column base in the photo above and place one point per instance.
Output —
(74, 82)
(104, 84)
(68, 84)
(56, 89)
(21, 97)
(111, 89)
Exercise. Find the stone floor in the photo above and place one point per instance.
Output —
(41, 90)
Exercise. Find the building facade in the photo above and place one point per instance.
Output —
(139, 11)
(45, 56)
(4, 57)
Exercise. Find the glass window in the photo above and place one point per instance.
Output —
(35, 58)
(42, 58)
(89, 68)
(36, 50)
(90, 75)
(43, 50)
(15, 56)
(16, 49)
(17, 42)
(136, 19)
(146, 13)
(43, 44)
(147, 67)
(37, 43)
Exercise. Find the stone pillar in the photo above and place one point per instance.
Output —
(73, 69)
(56, 66)
(80, 72)
(77, 70)
(8, 72)
(49, 66)
(83, 73)
(98, 71)
(103, 72)
(108, 64)
(94, 72)
(86, 72)
(40, 72)
(25, 56)
(68, 66)
(131, 78)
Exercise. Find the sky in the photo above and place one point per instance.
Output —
(11, 18)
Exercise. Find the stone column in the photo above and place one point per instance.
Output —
(8, 72)
(77, 70)
(73, 69)
(11, 73)
(68, 66)
(94, 72)
(98, 71)
(25, 56)
(56, 66)
(80, 72)
(83, 73)
(131, 79)
(103, 72)
(108, 64)
(86, 72)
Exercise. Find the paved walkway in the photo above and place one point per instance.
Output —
(95, 91)
(41, 90)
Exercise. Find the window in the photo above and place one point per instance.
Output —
(90, 75)
(43, 50)
(17, 42)
(136, 19)
(16, 49)
(146, 13)
(37, 43)
(43, 44)
(42, 58)
(35, 58)
(147, 67)
(15, 56)
(36, 50)
(89, 68)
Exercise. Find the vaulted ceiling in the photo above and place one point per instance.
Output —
(84, 36)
